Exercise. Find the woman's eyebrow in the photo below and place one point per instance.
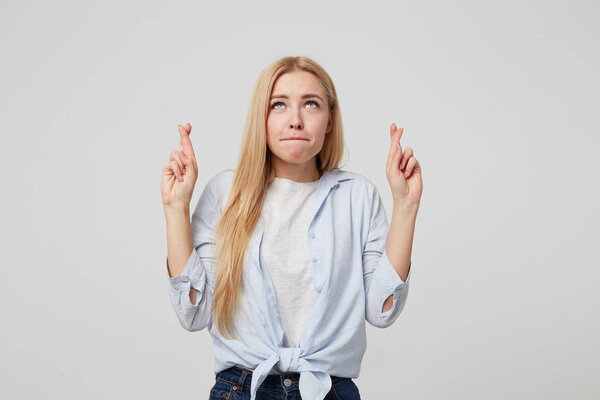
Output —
(283, 96)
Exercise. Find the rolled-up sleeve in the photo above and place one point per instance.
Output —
(195, 317)
(380, 278)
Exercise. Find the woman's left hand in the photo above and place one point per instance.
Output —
(403, 171)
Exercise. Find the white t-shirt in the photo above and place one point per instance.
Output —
(289, 206)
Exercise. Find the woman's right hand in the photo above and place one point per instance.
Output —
(179, 175)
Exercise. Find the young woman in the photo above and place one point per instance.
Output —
(287, 255)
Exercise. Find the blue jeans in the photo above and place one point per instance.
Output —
(234, 384)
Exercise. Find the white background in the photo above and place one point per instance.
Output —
(499, 101)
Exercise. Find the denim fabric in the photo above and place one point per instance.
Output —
(234, 384)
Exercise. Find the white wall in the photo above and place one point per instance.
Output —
(499, 101)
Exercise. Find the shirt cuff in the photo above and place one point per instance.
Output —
(193, 275)
(386, 277)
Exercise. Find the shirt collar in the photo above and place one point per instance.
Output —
(334, 176)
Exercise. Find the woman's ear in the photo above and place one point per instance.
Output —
(329, 125)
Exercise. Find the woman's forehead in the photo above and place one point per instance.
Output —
(297, 83)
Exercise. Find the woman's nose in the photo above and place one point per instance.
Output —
(296, 120)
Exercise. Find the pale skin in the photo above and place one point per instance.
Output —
(297, 123)
(177, 185)
(403, 172)
(296, 128)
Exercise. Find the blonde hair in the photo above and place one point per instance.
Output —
(253, 174)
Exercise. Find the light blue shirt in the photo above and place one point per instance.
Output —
(351, 271)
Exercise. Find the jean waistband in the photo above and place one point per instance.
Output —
(243, 377)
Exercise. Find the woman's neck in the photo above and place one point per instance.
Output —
(298, 173)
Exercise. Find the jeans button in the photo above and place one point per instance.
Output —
(287, 382)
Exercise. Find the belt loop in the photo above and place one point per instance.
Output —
(240, 384)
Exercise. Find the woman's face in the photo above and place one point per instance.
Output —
(298, 120)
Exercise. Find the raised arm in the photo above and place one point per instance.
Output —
(187, 259)
(387, 253)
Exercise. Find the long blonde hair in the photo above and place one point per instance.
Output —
(253, 174)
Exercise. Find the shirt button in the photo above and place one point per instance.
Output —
(287, 382)
(312, 235)
(314, 260)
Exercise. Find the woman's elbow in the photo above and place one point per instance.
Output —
(197, 323)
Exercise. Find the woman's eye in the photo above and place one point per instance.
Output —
(275, 105)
